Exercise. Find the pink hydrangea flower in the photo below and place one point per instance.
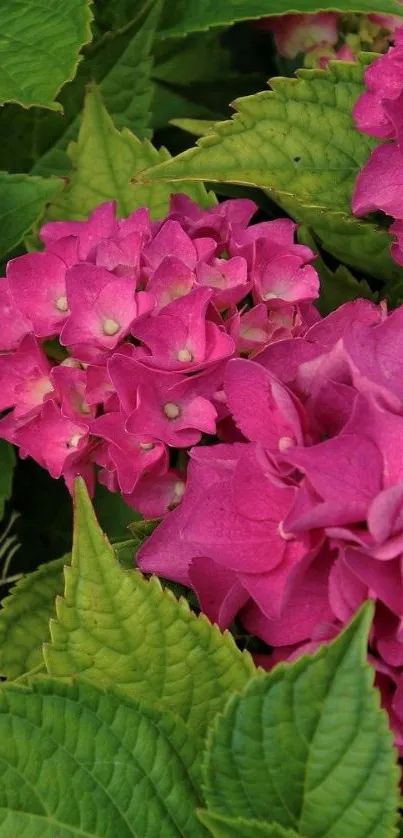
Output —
(292, 529)
(296, 33)
(378, 113)
(144, 316)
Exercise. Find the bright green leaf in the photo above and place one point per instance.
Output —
(121, 66)
(7, 465)
(104, 161)
(222, 827)
(197, 127)
(308, 747)
(298, 139)
(24, 618)
(76, 763)
(22, 204)
(39, 48)
(123, 632)
(184, 16)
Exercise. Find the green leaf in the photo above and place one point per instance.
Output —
(76, 762)
(336, 287)
(298, 139)
(298, 142)
(22, 204)
(114, 515)
(222, 827)
(124, 633)
(24, 618)
(122, 67)
(105, 160)
(308, 747)
(197, 127)
(39, 48)
(184, 16)
(7, 465)
(141, 530)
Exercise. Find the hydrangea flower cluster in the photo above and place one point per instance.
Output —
(379, 113)
(115, 338)
(296, 522)
(328, 35)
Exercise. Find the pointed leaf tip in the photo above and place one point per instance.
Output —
(313, 747)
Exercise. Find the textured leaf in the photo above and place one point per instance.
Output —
(308, 747)
(141, 530)
(7, 465)
(122, 67)
(222, 827)
(298, 139)
(184, 16)
(76, 763)
(122, 632)
(197, 127)
(105, 160)
(24, 618)
(39, 48)
(22, 203)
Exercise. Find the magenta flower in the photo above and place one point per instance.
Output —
(102, 308)
(167, 404)
(14, 325)
(37, 283)
(132, 456)
(52, 439)
(181, 338)
(296, 34)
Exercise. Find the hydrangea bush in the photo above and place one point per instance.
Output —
(203, 353)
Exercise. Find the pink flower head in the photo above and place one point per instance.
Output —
(181, 338)
(52, 439)
(170, 241)
(171, 279)
(384, 82)
(167, 404)
(100, 225)
(295, 34)
(216, 223)
(154, 495)
(14, 326)
(262, 407)
(132, 456)
(70, 384)
(102, 308)
(228, 278)
(37, 283)
(379, 184)
(286, 280)
(24, 378)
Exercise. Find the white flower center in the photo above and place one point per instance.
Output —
(185, 355)
(179, 490)
(73, 442)
(110, 327)
(62, 304)
(146, 446)
(71, 362)
(172, 410)
(285, 442)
